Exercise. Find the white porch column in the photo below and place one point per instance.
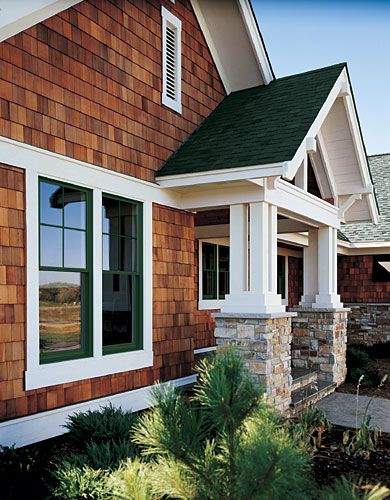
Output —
(327, 297)
(261, 296)
(310, 270)
(238, 262)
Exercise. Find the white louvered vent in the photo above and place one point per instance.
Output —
(171, 61)
(171, 95)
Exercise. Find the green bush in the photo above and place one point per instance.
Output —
(18, 468)
(104, 455)
(357, 362)
(74, 483)
(223, 442)
(102, 425)
(342, 489)
(309, 428)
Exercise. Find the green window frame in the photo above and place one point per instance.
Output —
(119, 270)
(215, 271)
(85, 271)
(281, 276)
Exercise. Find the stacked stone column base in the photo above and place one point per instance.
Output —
(264, 341)
(319, 342)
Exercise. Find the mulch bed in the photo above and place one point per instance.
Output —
(330, 462)
(379, 368)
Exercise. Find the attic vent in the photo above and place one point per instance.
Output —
(171, 62)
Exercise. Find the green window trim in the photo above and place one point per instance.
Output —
(86, 335)
(137, 343)
(212, 274)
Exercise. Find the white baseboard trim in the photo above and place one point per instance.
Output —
(33, 428)
(202, 350)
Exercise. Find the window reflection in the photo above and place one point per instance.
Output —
(74, 208)
(49, 205)
(51, 246)
(118, 309)
(61, 299)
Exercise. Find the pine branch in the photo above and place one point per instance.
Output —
(263, 479)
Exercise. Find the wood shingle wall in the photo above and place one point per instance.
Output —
(86, 83)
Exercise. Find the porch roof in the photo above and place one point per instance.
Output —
(262, 125)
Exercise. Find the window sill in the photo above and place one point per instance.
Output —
(80, 369)
(205, 304)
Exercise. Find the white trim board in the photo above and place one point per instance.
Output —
(22, 14)
(45, 425)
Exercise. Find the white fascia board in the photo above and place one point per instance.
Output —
(256, 41)
(19, 154)
(296, 239)
(45, 425)
(315, 126)
(17, 16)
(222, 175)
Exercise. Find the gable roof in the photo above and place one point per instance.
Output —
(367, 232)
(262, 125)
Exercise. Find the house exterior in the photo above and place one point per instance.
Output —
(160, 190)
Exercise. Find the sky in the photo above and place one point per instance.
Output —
(301, 35)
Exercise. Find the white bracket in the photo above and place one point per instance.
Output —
(311, 145)
(348, 204)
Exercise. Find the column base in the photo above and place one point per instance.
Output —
(327, 301)
(253, 302)
(307, 300)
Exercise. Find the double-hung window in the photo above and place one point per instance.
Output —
(215, 271)
(90, 277)
(65, 278)
(122, 264)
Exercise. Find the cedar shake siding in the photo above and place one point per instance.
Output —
(295, 280)
(87, 84)
(355, 284)
(173, 306)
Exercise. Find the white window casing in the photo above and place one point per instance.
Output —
(37, 162)
(171, 60)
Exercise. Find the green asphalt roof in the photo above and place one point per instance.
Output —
(366, 232)
(256, 126)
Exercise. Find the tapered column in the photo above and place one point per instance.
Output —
(327, 270)
(261, 296)
(310, 270)
(238, 264)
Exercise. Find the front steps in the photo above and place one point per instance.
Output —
(307, 389)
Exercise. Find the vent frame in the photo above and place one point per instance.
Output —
(171, 61)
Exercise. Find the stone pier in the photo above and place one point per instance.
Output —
(319, 342)
(264, 341)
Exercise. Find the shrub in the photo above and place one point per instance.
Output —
(223, 442)
(104, 455)
(80, 483)
(18, 468)
(357, 361)
(342, 489)
(132, 481)
(106, 424)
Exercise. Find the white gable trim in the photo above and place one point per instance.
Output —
(17, 16)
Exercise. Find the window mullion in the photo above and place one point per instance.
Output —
(97, 260)
(217, 267)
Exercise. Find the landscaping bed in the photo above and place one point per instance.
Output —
(377, 368)
(330, 462)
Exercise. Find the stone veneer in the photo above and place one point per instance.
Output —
(264, 340)
(319, 342)
(368, 324)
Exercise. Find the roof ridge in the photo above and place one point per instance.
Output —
(379, 154)
(317, 70)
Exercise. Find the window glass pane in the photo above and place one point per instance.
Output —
(281, 285)
(223, 256)
(110, 214)
(129, 254)
(50, 246)
(74, 249)
(209, 255)
(74, 208)
(128, 213)
(50, 203)
(61, 298)
(119, 309)
(223, 284)
(110, 253)
(209, 284)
